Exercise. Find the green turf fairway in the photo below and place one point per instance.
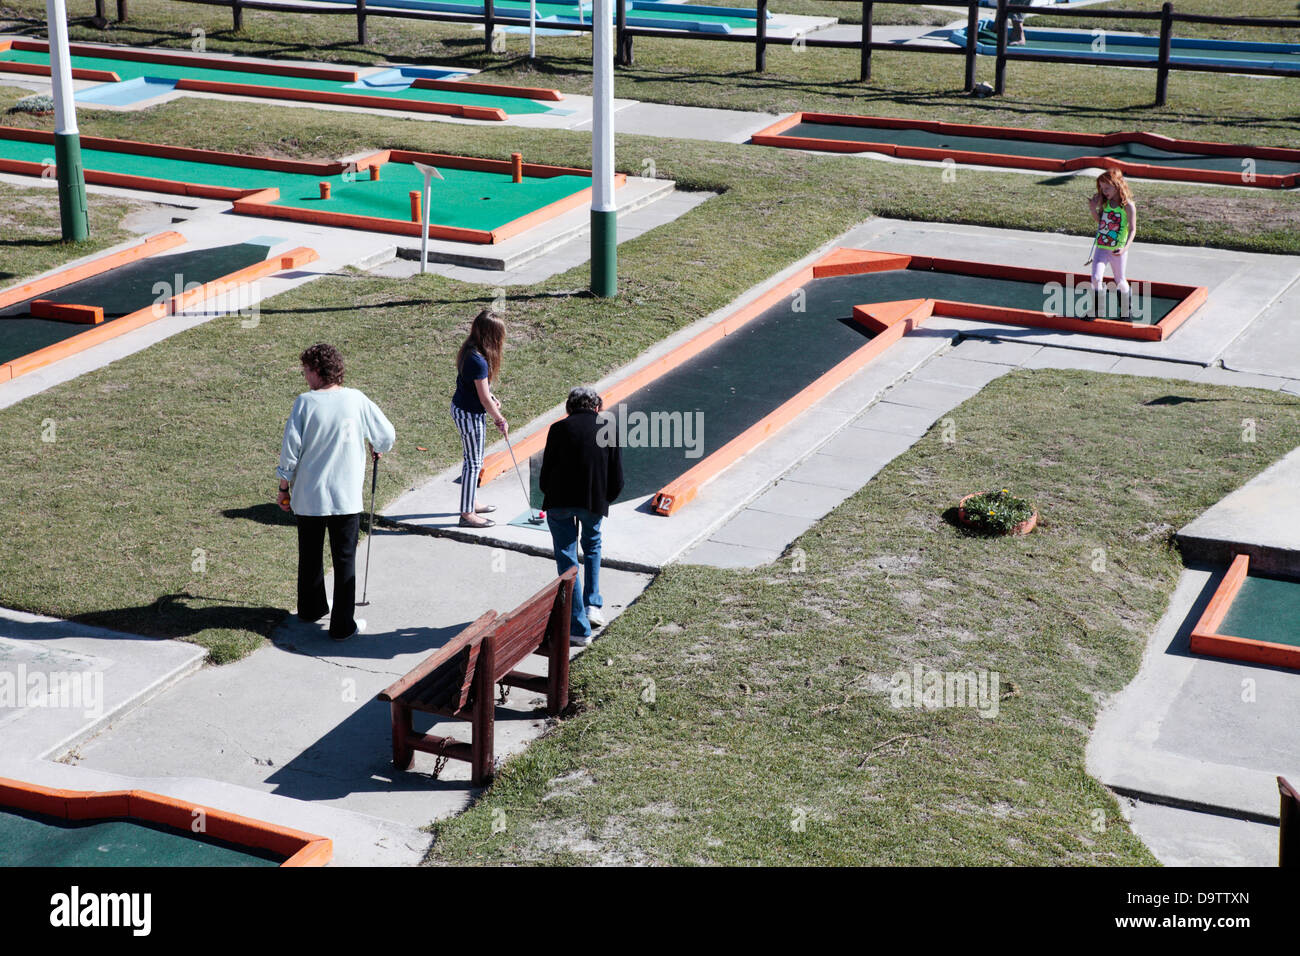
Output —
(1129, 152)
(1265, 609)
(120, 292)
(133, 69)
(36, 840)
(466, 198)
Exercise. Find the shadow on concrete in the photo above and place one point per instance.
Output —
(356, 757)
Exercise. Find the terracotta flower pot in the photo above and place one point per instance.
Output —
(1023, 527)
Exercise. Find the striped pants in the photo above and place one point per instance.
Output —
(470, 425)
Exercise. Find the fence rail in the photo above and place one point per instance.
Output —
(1162, 62)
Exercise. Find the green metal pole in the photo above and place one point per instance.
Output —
(604, 253)
(67, 140)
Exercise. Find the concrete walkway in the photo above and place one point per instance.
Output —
(108, 676)
(299, 718)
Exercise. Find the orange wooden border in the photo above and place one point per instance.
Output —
(107, 51)
(500, 462)
(772, 136)
(149, 247)
(1206, 638)
(296, 846)
(66, 312)
(141, 317)
(342, 99)
(492, 89)
(42, 69)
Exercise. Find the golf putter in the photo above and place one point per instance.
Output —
(532, 518)
(370, 535)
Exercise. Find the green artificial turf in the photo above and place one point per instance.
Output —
(466, 198)
(1265, 609)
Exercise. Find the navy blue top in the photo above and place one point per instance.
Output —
(471, 370)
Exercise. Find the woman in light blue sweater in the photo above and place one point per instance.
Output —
(322, 470)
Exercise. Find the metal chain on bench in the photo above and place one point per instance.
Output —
(503, 691)
(440, 762)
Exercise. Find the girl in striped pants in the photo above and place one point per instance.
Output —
(477, 365)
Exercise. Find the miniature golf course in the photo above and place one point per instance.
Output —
(28, 839)
(131, 76)
(60, 314)
(640, 13)
(1122, 47)
(474, 201)
(1254, 618)
(41, 826)
(1135, 153)
(119, 293)
(746, 377)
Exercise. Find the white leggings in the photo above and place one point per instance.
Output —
(1118, 263)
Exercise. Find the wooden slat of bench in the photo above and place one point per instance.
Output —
(470, 635)
(522, 631)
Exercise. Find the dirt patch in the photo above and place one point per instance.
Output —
(1231, 213)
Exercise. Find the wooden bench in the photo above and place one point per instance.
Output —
(458, 680)
(1288, 834)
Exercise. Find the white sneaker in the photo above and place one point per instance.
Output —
(595, 618)
(360, 627)
(579, 640)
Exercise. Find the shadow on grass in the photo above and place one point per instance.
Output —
(185, 615)
(267, 513)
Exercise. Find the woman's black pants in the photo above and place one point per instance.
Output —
(312, 605)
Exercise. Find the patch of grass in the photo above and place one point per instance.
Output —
(32, 239)
(747, 717)
(716, 74)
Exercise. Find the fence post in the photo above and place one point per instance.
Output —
(622, 55)
(363, 33)
(864, 70)
(760, 39)
(1166, 41)
(972, 31)
(1000, 70)
(237, 15)
(99, 12)
(121, 11)
(489, 24)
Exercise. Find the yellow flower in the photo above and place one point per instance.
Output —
(1004, 491)
(992, 512)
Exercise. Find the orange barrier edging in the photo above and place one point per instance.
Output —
(150, 246)
(686, 486)
(773, 136)
(296, 846)
(152, 313)
(66, 312)
(340, 74)
(472, 86)
(1205, 638)
(41, 69)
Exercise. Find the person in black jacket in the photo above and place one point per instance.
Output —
(581, 474)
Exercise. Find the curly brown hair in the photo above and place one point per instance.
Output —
(325, 361)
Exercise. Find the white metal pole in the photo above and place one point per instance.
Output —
(604, 214)
(67, 140)
(532, 29)
(426, 202)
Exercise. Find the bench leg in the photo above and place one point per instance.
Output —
(484, 721)
(403, 755)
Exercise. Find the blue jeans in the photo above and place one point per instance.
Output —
(567, 526)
